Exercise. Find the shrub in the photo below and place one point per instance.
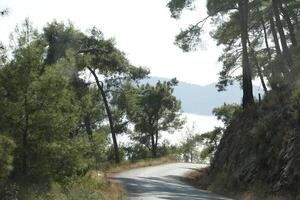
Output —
(7, 147)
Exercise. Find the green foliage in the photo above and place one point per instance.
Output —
(54, 123)
(155, 110)
(190, 38)
(77, 188)
(137, 152)
(176, 7)
(67, 158)
(227, 112)
(249, 50)
(160, 106)
(295, 97)
(207, 152)
(51, 120)
(7, 147)
(110, 154)
(189, 147)
(210, 141)
(84, 188)
(60, 38)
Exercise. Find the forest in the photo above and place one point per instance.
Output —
(258, 152)
(66, 95)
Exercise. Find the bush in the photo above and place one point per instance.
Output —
(7, 147)
(67, 159)
(8, 191)
(223, 182)
(86, 187)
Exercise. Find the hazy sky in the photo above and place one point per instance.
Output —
(143, 29)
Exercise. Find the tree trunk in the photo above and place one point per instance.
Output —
(247, 73)
(153, 147)
(270, 78)
(281, 69)
(88, 128)
(260, 74)
(273, 86)
(288, 21)
(156, 142)
(274, 73)
(24, 138)
(286, 52)
(109, 115)
(265, 34)
(89, 131)
(275, 37)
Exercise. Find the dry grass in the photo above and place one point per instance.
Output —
(251, 196)
(114, 192)
(193, 177)
(246, 196)
(139, 164)
(111, 190)
(273, 197)
(199, 178)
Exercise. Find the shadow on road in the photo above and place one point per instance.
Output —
(166, 187)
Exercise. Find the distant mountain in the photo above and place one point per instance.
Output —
(202, 100)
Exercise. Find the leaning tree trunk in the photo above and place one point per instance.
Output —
(262, 21)
(286, 53)
(274, 73)
(247, 72)
(281, 69)
(287, 18)
(109, 115)
(259, 71)
(275, 37)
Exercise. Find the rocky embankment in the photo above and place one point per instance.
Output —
(260, 149)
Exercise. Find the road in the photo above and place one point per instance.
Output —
(163, 183)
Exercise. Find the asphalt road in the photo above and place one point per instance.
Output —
(163, 182)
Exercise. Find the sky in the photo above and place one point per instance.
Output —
(143, 29)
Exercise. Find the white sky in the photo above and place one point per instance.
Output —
(143, 29)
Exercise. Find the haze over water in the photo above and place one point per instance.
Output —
(201, 124)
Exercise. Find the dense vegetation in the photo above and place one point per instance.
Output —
(65, 95)
(258, 150)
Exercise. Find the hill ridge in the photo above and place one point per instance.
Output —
(201, 100)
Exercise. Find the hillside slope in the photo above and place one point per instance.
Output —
(201, 100)
(259, 151)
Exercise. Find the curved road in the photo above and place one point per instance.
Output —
(162, 183)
